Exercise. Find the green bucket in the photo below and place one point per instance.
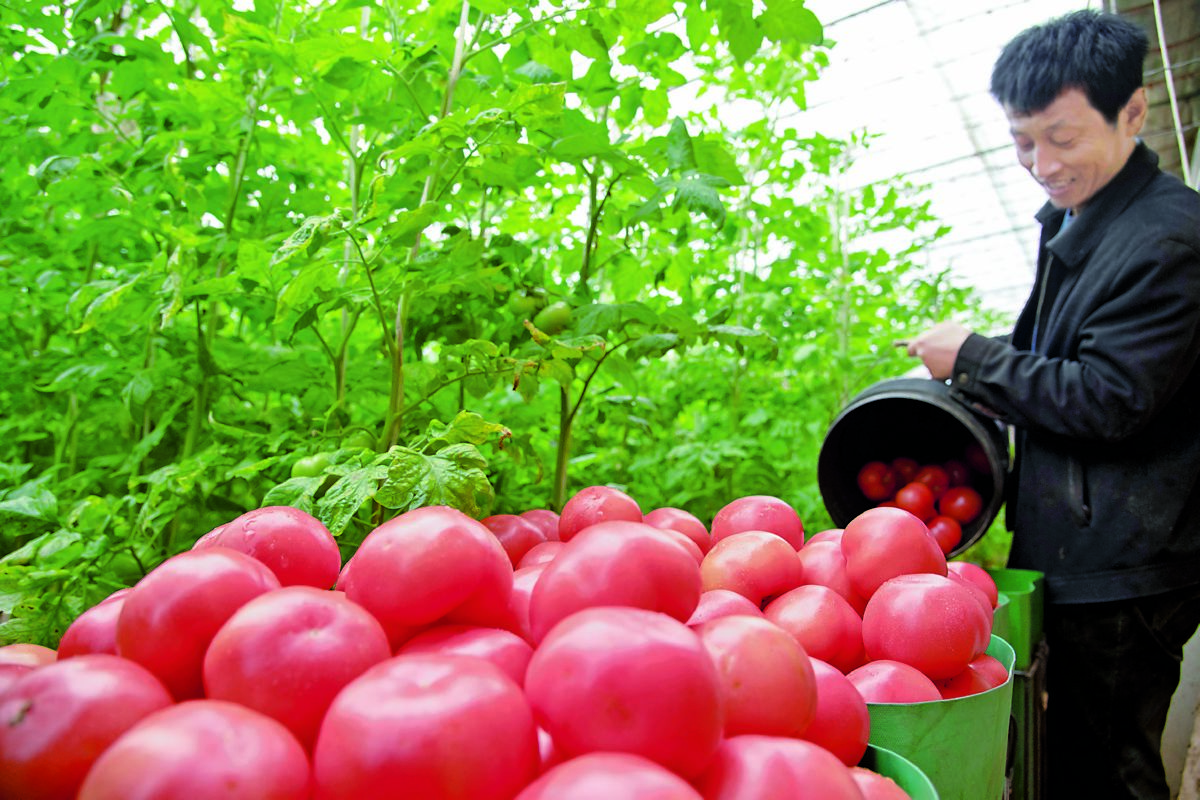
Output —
(960, 744)
(907, 775)
(1018, 618)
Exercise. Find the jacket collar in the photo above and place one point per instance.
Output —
(1074, 244)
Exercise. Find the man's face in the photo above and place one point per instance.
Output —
(1071, 149)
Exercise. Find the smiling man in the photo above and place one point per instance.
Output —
(1100, 381)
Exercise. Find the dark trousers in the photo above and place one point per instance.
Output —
(1111, 672)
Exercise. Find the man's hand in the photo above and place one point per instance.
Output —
(938, 348)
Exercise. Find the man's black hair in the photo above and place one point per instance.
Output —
(1100, 54)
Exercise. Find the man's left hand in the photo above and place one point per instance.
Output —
(938, 348)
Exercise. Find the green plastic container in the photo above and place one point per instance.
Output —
(1018, 618)
(907, 775)
(960, 744)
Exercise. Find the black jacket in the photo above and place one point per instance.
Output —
(1104, 497)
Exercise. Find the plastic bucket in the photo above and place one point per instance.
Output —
(960, 744)
(907, 775)
(917, 418)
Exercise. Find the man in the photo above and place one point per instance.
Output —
(1100, 381)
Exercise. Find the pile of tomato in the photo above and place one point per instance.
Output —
(939, 494)
(602, 653)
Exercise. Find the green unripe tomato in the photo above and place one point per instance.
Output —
(360, 438)
(553, 318)
(523, 305)
(312, 466)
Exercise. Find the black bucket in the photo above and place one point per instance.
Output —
(917, 418)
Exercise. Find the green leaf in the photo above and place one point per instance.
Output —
(455, 476)
(338, 507)
(298, 492)
(468, 427)
(680, 154)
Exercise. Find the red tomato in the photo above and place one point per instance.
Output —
(773, 767)
(542, 553)
(822, 622)
(831, 535)
(297, 547)
(596, 504)
(877, 787)
(684, 542)
(842, 724)
(427, 726)
(881, 543)
(977, 459)
(929, 622)
(962, 503)
(616, 564)
(549, 755)
(9, 673)
(340, 586)
(755, 564)
(957, 473)
(822, 564)
(524, 579)
(946, 532)
(289, 652)
(202, 748)
(978, 576)
(630, 681)
(209, 539)
(546, 521)
(680, 520)
(980, 675)
(717, 603)
(172, 614)
(759, 513)
(884, 681)
(505, 649)
(515, 534)
(905, 468)
(934, 477)
(980, 596)
(917, 499)
(93, 631)
(30, 655)
(55, 721)
(605, 776)
(877, 481)
(427, 565)
(767, 682)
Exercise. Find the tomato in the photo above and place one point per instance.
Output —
(596, 504)
(313, 466)
(982, 674)
(505, 649)
(616, 564)
(957, 473)
(881, 543)
(524, 579)
(202, 748)
(978, 576)
(631, 681)
(929, 622)
(427, 725)
(607, 776)
(427, 565)
(822, 563)
(767, 682)
(542, 553)
(55, 721)
(30, 655)
(934, 477)
(962, 503)
(172, 614)
(877, 481)
(884, 681)
(554, 318)
(978, 593)
(755, 564)
(297, 547)
(905, 468)
(946, 532)
(287, 653)
(759, 513)
(515, 534)
(822, 622)
(842, 724)
(917, 499)
(831, 535)
(683, 541)
(774, 767)
(93, 631)
(717, 603)
(209, 539)
(546, 521)
(977, 459)
(877, 787)
(680, 520)
(9, 673)
(549, 755)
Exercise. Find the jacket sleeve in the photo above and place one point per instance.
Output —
(1134, 349)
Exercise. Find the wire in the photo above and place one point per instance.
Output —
(1170, 82)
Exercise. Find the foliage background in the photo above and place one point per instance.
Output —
(364, 255)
